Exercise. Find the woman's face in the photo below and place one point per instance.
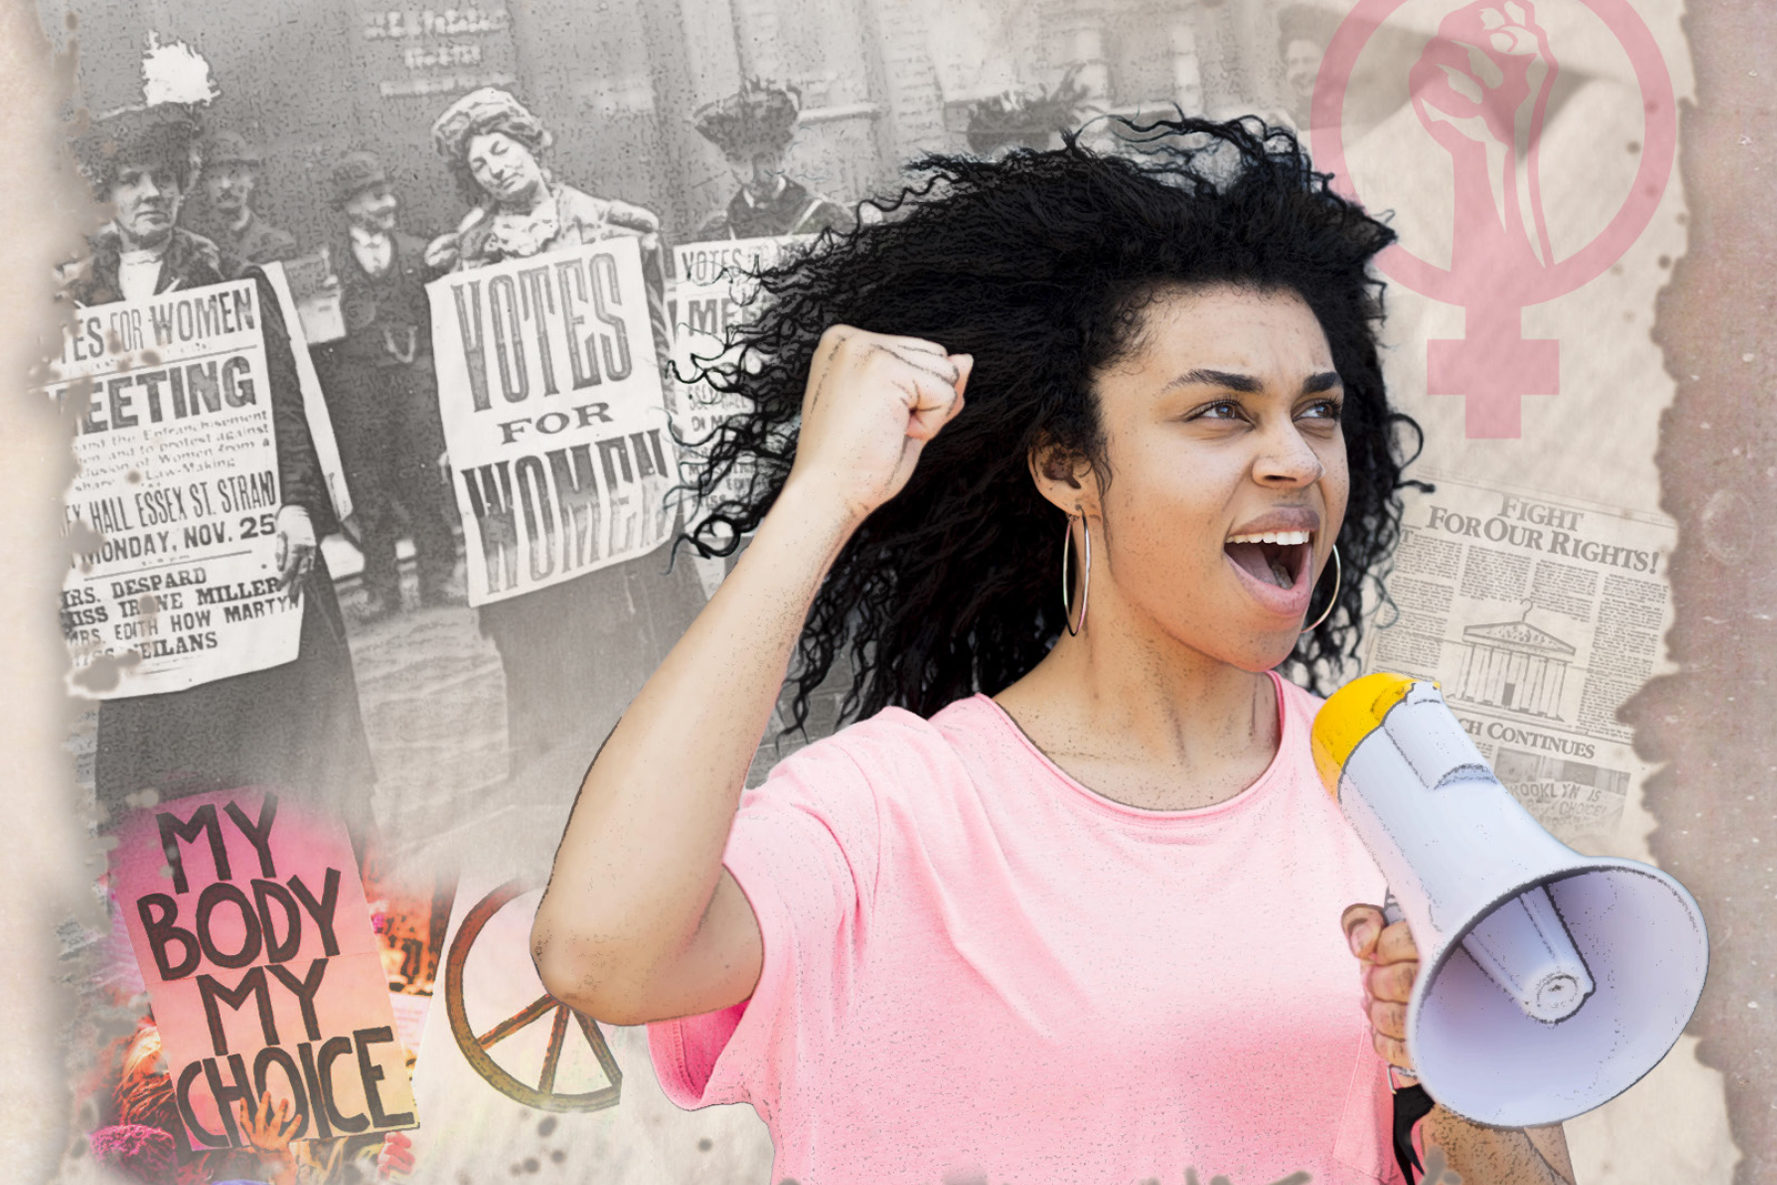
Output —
(145, 198)
(1221, 429)
(756, 168)
(504, 168)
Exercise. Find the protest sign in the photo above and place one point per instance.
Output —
(288, 282)
(314, 290)
(250, 928)
(173, 512)
(713, 293)
(554, 421)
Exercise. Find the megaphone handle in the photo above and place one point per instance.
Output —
(1391, 913)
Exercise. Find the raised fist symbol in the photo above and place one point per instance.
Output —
(1481, 88)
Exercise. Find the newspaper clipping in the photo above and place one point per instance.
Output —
(1539, 617)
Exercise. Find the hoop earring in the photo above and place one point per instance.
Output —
(1067, 588)
(1338, 576)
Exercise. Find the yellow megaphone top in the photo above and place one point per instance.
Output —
(1349, 715)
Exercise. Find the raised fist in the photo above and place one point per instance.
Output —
(1481, 88)
(871, 403)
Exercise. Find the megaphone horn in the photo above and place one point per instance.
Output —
(1549, 982)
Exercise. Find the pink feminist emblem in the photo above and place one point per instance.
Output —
(1481, 89)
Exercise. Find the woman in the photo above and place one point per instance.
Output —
(494, 148)
(296, 727)
(573, 653)
(754, 128)
(1067, 907)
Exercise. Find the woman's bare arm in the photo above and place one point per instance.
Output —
(640, 922)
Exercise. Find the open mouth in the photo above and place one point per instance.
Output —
(1277, 558)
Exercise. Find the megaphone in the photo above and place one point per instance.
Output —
(1549, 982)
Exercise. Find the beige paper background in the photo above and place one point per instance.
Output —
(1704, 450)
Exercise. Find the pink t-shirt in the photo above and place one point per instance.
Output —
(978, 970)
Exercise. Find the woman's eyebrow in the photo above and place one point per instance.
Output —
(1216, 378)
(1228, 380)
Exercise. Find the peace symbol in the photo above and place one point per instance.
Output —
(476, 1047)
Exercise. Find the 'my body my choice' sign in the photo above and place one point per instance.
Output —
(251, 930)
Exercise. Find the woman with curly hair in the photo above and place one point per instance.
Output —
(1066, 904)
(573, 653)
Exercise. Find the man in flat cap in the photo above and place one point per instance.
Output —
(231, 177)
(753, 128)
(381, 390)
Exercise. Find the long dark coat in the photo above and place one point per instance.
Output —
(296, 727)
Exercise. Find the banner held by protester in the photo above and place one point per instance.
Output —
(554, 421)
(172, 514)
(714, 291)
(250, 926)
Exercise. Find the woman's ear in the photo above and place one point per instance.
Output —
(1063, 477)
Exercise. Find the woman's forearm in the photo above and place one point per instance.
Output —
(641, 855)
(1481, 1155)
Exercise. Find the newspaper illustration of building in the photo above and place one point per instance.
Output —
(1539, 617)
(1514, 665)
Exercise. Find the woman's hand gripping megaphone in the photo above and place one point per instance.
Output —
(1388, 966)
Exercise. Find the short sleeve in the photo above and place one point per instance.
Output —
(803, 848)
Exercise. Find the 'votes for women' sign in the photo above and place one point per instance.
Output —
(172, 514)
(250, 927)
(550, 394)
(714, 293)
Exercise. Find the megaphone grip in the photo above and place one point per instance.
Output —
(1391, 913)
(1411, 1104)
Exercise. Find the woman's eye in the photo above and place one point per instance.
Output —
(1222, 409)
(1324, 409)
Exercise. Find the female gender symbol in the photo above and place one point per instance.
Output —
(1495, 272)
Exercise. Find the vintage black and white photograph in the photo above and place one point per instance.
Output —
(800, 591)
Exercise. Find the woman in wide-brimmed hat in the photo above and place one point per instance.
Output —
(497, 152)
(754, 127)
(574, 653)
(296, 727)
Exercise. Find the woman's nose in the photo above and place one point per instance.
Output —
(1285, 458)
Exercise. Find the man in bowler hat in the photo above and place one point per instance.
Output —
(381, 390)
(231, 178)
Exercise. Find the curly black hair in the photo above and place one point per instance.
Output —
(1039, 265)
